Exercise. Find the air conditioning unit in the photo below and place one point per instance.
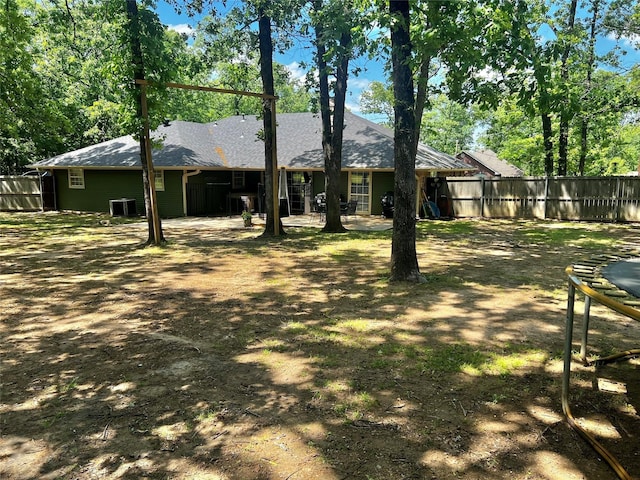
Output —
(123, 207)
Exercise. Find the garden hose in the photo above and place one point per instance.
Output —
(625, 355)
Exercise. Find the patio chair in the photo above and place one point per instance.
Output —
(319, 206)
(349, 208)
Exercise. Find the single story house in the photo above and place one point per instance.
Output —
(489, 165)
(218, 168)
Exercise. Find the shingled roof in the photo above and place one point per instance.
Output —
(488, 160)
(233, 143)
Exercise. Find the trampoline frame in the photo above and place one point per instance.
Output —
(615, 300)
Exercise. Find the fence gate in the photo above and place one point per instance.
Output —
(28, 193)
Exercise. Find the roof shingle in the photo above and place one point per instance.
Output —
(233, 143)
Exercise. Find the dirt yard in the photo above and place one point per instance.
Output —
(226, 356)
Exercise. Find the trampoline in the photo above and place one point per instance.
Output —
(624, 274)
(614, 282)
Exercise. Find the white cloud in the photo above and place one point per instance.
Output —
(631, 40)
(296, 71)
(358, 83)
(182, 28)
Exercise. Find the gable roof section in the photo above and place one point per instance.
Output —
(233, 143)
(490, 161)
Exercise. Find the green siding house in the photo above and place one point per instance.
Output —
(218, 168)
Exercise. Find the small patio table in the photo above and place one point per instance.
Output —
(613, 280)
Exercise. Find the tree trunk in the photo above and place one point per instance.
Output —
(547, 135)
(584, 124)
(563, 140)
(332, 162)
(563, 144)
(136, 53)
(584, 147)
(404, 260)
(266, 73)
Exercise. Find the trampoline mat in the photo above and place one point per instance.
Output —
(624, 274)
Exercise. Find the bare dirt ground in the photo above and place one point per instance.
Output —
(226, 356)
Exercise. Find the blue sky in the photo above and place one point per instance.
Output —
(372, 70)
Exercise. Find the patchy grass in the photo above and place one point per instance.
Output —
(226, 355)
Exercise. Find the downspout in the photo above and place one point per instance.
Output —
(185, 179)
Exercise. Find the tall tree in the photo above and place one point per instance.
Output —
(590, 66)
(532, 77)
(612, 118)
(239, 37)
(568, 39)
(435, 28)
(404, 260)
(268, 117)
(135, 38)
(32, 122)
(510, 57)
(332, 22)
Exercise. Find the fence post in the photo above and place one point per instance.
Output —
(482, 196)
(546, 196)
(618, 198)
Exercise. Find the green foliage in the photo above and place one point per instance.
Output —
(66, 76)
(27, 109)
(613, 146)
(515, 137)
(448, 126)
(378, 99)
(66, 70)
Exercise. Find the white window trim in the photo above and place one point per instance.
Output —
(76, 178)
(158, 175)
(370, 177)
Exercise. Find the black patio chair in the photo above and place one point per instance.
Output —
(349, 208)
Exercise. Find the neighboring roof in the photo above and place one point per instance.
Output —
(491, 162)
(233, 143)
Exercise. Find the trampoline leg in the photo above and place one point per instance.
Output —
(568, 336)
(585, 329)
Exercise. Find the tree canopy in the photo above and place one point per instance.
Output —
(66, 76)
(551, 76)
(545, 74)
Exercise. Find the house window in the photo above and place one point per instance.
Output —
(360, 190)
(159, 178)
(76, 178)
(237, 180)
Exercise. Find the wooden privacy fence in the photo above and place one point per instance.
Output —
(20, 193)
(563, 198)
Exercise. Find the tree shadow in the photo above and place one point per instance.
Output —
(247, 358)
